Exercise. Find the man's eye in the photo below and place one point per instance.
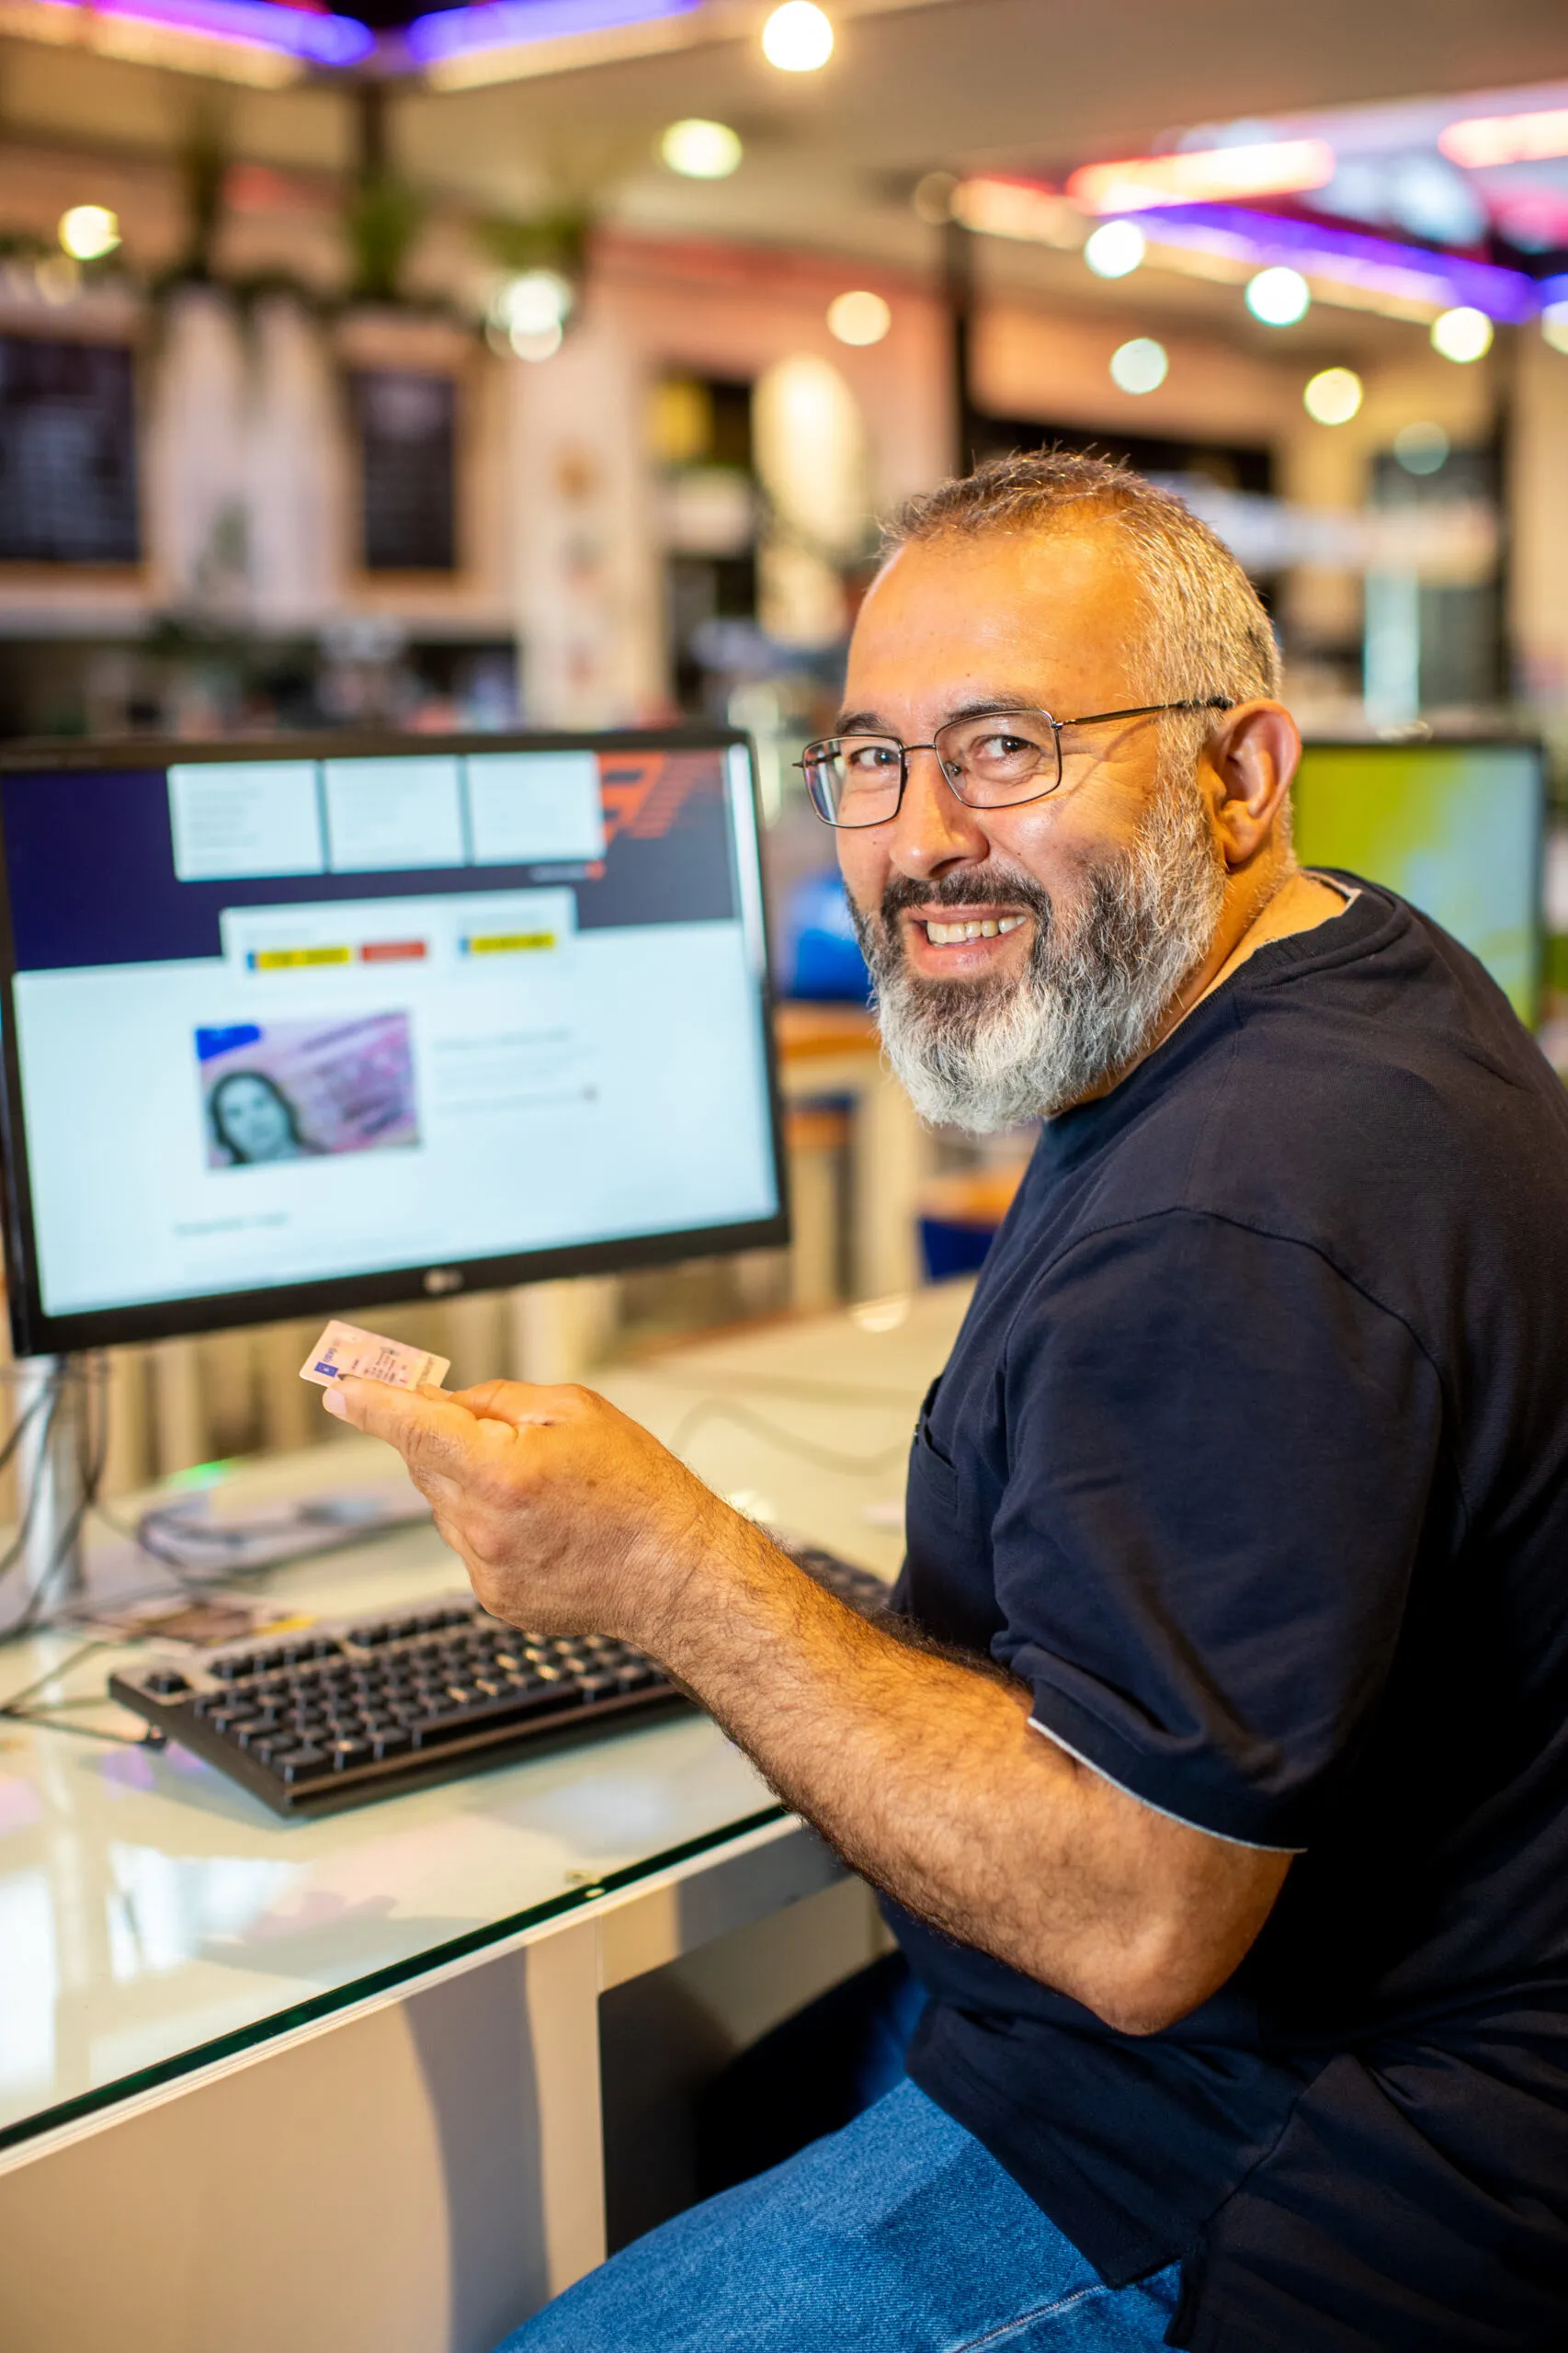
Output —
(865, 757)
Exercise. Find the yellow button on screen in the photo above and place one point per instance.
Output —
(508, 943)
(279, 959)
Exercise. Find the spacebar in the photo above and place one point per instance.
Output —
(489, 1715)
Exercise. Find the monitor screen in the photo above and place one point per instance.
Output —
(1455, 828)
(306, 1025)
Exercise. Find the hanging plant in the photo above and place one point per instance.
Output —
(556, 240)
(381, 220)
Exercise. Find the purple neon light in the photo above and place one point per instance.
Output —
(256, 24)
(507, 24)
(1376, 263)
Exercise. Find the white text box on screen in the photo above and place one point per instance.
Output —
(390, 815)
(231, 818)
(528, 807)
(404, 938)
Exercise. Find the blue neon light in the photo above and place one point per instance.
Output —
(257, 23)
(1505, 294)
(508, 24)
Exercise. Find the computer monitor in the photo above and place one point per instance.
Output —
(1456, 828)
(300, 1026)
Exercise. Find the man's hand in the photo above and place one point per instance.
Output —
(569, 1517)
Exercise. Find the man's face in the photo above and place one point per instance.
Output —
(1094, 903)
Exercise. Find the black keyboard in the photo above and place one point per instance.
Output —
(362, 1707)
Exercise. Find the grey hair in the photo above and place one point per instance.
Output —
(1206, 633)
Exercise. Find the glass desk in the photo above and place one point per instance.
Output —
(184, 1979)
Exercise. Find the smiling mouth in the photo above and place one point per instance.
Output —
(963, 927)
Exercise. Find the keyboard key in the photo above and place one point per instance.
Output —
(345, 1753)
(306, 1764)
(276, 1744)
(515, 1708)
(259, 1728)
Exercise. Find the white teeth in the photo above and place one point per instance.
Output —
(948, 935)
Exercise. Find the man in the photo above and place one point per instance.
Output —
(1219, 1779)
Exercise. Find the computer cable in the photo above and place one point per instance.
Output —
(92, 1454)
(16, 1710)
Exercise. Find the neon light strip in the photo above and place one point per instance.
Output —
(1377, 264)
(248, 24)
(1272, 168)
(1507, 138)
(509, 24)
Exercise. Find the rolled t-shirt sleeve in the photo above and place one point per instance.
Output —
(1222, 1456)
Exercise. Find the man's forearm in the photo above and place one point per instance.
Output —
(924, 1772)
(922, 1769)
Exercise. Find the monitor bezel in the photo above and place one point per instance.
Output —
(1494, 739)
(35, 1332)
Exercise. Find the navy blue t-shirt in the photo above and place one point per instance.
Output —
(1252, 1461)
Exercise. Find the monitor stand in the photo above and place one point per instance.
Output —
(51, 1394)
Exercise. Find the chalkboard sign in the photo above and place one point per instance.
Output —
(67, 452)
(407, 427)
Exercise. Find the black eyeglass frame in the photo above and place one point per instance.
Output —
(1090, 719)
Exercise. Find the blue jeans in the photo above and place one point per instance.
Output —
(898, 2235)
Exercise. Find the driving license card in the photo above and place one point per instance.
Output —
(345, 1349)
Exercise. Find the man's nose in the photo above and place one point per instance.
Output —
(933, 829)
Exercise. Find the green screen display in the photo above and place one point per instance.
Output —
(1455, 828)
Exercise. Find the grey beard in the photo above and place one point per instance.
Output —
(982, 1056)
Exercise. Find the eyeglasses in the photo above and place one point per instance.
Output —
(992, 761)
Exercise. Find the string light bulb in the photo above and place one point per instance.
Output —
(699, 150)
(1333, 395)
(89, 232)
(1115, 249)
(797, 37)
(1140, 366)
(859, 318)
(1461, 335)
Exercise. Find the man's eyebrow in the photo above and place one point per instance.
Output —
(868, 723)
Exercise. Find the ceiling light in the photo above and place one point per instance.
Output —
(1333, 396)
(1278, 296)
(1115, 249)
(1421, 449)
(1274, 168)
(1140, 366)
(1462, 334)
(88, 231)
(699, 150)
(1554, 326)
(1507, 139)
(859, 318)
(797, 37)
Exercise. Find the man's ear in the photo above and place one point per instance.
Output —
(1251, 758)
